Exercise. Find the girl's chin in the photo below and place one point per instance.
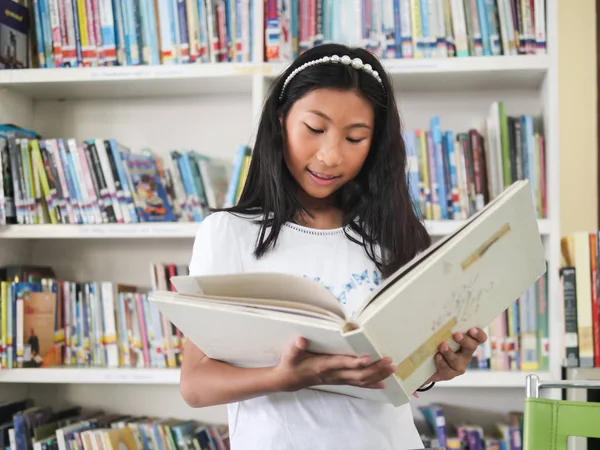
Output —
(320, 193)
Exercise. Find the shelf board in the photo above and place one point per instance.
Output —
(146, 230)
(165, 230)
(90, 376)
(132, 81)
(472, 379)
(493, 72)
(469, 73)
(492, 379)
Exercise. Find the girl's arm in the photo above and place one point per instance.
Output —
(207, 382)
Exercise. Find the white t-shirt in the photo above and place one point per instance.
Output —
(307, 419)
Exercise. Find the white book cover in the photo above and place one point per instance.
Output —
(465, 280)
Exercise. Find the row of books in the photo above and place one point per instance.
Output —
(47, 322)
(580, 292)
(453, 175)
(394, 29)
(60, 181)
(518, 339)
(460, 428)
(26, 425)
(71, 33)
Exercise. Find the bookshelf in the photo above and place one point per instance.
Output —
(507, 72)
(436, 228)
(194, 106)
(104, 376)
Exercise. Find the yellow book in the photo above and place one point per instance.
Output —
(243, 176)
(38, 163)
(119, 439)
(424, 174)
(415, 25)
(3, 309)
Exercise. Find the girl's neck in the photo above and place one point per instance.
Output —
(323, 213)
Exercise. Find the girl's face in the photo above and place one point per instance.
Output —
(329, 134)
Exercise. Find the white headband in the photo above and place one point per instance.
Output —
(356, 63)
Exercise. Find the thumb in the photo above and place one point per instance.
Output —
(296, 350)
(300, 343)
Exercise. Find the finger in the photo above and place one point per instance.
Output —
(372, 374)
(341, 362)
(454, 360)
(360, 378)
(466, 342)
(379, 371)
(479, 335)
(444, 370)
(379, 385)
(301, 343)
(296, 350)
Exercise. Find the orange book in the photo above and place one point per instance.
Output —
(39, 313)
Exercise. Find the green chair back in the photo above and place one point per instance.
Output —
(547, 423)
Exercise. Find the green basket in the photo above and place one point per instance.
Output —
(547, 424)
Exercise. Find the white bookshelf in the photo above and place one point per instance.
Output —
(508, 72)
(106, 376)
(162, 230)
(168, 107)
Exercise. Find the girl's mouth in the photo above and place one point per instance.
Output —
(322, 178)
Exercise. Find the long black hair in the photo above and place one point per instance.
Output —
(376, 204)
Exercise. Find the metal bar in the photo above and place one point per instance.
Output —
(534, 384)
(570, 384)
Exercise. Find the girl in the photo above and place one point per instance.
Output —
(326, 198)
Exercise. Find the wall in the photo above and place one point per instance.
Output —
(577, 115)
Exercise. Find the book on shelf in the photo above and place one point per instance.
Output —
(452, 174)
(519, 337)
(47, 322)
(579, 289)
(95, 181)
(451, 426)
(394, 29)
(165, 33)
(220, 31)
(27, 425)
(466, 279)
(14, 35)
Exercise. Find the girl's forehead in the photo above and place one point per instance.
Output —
(329, 97)
(328, 103)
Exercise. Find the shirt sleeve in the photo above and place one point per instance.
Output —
(216, 250)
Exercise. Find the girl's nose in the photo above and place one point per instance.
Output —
(329, 155)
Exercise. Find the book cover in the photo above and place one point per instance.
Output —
(465, 280)
(14, 35)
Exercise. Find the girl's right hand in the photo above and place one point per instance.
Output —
(299, 369)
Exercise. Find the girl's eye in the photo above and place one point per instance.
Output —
(313, 130)
(354, 141)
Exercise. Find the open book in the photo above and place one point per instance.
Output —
(464, 280)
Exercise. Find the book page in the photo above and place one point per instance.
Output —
(431, 250)
(249, 287)
(247, 337)
(302, 309)
(468, 284)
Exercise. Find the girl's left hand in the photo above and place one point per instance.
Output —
(451, 364)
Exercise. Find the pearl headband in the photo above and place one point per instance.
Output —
(356, 63)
